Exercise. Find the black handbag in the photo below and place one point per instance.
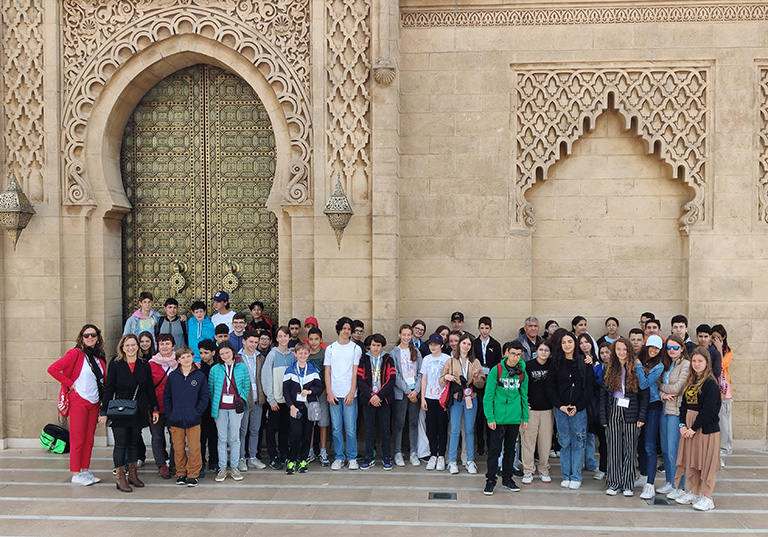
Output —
(123, 408)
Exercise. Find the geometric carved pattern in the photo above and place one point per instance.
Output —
(348, 99)
(22, 79)
(762, 133)
(471, 17)
(198, 164)
(667, 106)
(100, 36)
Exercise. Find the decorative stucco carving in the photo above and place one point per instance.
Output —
(762, 133)
(473, 17)
(23, 103)
(100, 35)
(667, 107)
(348, 66)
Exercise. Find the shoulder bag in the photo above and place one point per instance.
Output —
(123, 408)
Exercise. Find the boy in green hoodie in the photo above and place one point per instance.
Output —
(506, 409)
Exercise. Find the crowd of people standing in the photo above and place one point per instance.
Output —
(223, 386)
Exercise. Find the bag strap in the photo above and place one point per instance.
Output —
(135, 392)
(162, 378)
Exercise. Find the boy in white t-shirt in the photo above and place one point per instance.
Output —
(223, 314)
(437, 418)
(341, 360)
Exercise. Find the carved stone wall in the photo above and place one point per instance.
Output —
(22, 79)
(668, 107)
(348, 97)
(100, 36)
(762, 134)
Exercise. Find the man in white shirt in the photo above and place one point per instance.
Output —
(223, 314)
(340, 362)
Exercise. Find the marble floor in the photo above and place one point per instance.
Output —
(36, 498)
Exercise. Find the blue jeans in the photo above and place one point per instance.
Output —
(458, 409)
(251, 422)
(651, 427)
(228, 427)
(344, 420)
(590, 462)
(572, 435)
(669, 427)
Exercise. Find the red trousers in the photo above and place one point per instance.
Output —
(83, 417)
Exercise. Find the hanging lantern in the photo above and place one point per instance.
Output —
(338, 210)
(15, 210)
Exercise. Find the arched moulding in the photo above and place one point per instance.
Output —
(762, 134)
(102, 38)
(667, 107)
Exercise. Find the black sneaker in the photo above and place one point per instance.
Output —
(181, 480)
(517, 472)
(488, 490)
(202, 473)
(192, 482)
(275, 464)
(510, 485)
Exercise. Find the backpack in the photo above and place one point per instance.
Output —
(55, 439)
(160, 322)
(498, 373)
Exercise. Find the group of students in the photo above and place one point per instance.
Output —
(615, 393)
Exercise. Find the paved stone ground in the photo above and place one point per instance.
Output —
(36, 498)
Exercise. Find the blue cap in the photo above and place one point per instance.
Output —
(221, 296)
(435, 338)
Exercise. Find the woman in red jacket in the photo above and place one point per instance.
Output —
(82, 371)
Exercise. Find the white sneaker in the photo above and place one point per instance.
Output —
(221, 475)
(611, 492)
(722, 465)
(704, 504)
(675, 494)
(641, 481)
(242, 465)
(440, 464)
(599, 475)
(665, 489)
(453, 468)
(92, 478)
(353, 465)
(399, 461)
(553, 454)
(81, 479)
(432, 463)
(545, 478)
(527, 479)
(687, 499)
(565, 483)
(471, 467)
(253, 462)
(628, 493)
(415, 460)
(574, 485)
(338, 464)
(649, 492)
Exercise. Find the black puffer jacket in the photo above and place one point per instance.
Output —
(637, 410)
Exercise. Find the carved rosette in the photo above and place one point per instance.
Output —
(762, 133)
(668, 106)
(348, 66)
(100, 36)
(23, 103)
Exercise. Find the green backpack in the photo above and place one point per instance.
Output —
(55, 439)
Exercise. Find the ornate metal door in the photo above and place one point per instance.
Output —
(198, 162)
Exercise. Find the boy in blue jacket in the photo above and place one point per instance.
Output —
(186, 398)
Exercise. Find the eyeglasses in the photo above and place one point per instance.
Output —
(673, 347)
(90, 334)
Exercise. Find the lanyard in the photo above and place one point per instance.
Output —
(465, 370)
(302, 378)
(376, 366)
(230, 369)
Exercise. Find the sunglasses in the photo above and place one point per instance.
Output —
(90, 334)
(673, 347)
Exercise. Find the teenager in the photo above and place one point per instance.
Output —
(146, 346)
(223, 314)
(260, 321)
(228, 390)
(301, 385)
(636, 340)
(431, 389)
(221, 333)
(407, 360)
(278, 424)
(569, 386)
(649, 369)
(611, 331)
(376, 382)
(652, 328)
(82, 370)
(172, 323)
(419, 329)
(199, 327)
(720, 342)
(320, 431)
(238, 331)
(538, 434)
(488, 351)
(128, 377)
(208, 433)
(185, 400)
(506, 410)
(623, 407)
(342, 358)
(144, 318)
(457, 323)
(550, 328)
(294, 330)
(594, 427)
(443, 332)
(704, 338)
(250, 425)
(674, 356)
(309, 324)
(579, 326)
(679, 328)
(698, 456)
(162, 364)
(463, 374)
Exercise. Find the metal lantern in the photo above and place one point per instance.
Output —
(338, 210)
(15, 210)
